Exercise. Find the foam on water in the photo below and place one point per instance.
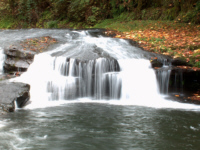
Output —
(2, 124)
(2, 57)
(56, 81)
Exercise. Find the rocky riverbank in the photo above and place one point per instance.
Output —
(14, 94)
(19, 56)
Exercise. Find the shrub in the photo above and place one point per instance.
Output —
(52, 24)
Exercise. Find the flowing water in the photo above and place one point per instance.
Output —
(110, 102)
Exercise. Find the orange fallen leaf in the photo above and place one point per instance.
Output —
(197, 51)
(118, 36)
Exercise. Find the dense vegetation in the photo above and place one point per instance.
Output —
(85, 13)
(170, 27)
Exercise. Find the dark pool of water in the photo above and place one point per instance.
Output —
(93, 126)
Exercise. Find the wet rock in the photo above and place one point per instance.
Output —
(97, 32)
(179, 62)
(7, 76)
(156, 63)
(184, 80)
(18, 52)
(17, 59)
(86, 53)
(181, 80)
(14, 64)
(11, 92)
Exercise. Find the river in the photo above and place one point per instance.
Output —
(70, 112)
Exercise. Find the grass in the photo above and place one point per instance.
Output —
(7, 22)
(127, 26)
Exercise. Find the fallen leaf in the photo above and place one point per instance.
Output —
(197, 51)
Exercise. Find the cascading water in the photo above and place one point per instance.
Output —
(83, 79)
(178, 82)
(163, 76)
(95, 69)
(2, 57)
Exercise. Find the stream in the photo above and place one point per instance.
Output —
(91, 92)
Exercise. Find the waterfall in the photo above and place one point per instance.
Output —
(178, 83)
(163, 77)
(139, 83)
(2, 57)
(60, 79)
(96, 69)
(92, 78)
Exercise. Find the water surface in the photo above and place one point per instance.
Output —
(94, 126)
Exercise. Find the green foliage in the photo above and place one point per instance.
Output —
(198, 6)
(52, 24)
(197, 64)
(120, 6)
(143, 13)
(167, 3)
(60, 8)
(28, 9)
(91, 20)
(151, 14)
(77, 10)
(95, 15)
(191, 16)
(168, 14)
(124, 26)
(36, 13)
(7, 22)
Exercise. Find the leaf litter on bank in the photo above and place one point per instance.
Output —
(39, 44)
(176, 40)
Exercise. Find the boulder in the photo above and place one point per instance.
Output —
(17, 52)
(17, 59)
(11, 92)
(179, 62)
(155, 63)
